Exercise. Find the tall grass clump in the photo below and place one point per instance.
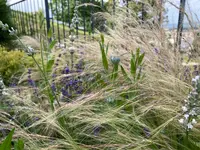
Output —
(125, 91)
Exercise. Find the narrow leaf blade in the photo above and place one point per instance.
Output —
(6, 145)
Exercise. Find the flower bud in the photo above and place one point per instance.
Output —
(115, 60)
(72, 49)
(72, 38)
(30, 51)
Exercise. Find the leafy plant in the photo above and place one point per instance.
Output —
(10, 64)
(136, 64)
(7, 143)
(104, 51)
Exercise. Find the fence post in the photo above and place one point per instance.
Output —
(47, 15)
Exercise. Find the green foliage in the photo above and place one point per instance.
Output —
(11, 63)
(104, 50)
(19, 145)
(136, 64)
(5, 17)
(7, 143)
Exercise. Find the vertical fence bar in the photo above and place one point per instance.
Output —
(47, 15)
(18, 13)
(39, 21)
(102, 4)
(36, 22)
(142, 12)
(63, 19)
(114, 7)
(44, 9)
(93, 20)
(13, 14)
(29, 17)
(75, 5)
(57, 15)
(68, 10)
(26, 16)
(22, 19)
(84, 20)
(52, 18)
(32, 19)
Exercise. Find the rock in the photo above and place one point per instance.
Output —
(29, 41)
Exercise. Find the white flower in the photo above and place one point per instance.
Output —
(5, 93)
(5, 27)
(193, 80)
(181, 121)
(186, 116)
(12, 31)
(189, 125)
(30, 51)
(122, 3)
(194, 92)
(197, 78)
(194, 121)
(192, 113)
(184, 108)
(72, 38)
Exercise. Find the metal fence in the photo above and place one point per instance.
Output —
(59, 16)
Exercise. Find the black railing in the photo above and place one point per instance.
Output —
(58, 16)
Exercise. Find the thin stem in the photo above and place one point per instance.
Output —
(44, 76)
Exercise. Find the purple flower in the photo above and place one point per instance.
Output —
(36, 119)
(147, 132)
(64, 92)
(66, 70)
(53, 75)
(53, 87)
(31, 82)
(79, 91)
(71, 82)
(12, 85)
(96, 130)
(35, 92)
(29, 71)
(156, 50)
(79, 66)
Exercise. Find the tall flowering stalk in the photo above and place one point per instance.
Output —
(31, 52)
(191, 107)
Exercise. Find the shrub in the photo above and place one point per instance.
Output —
(5, 17)
(11, 64)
